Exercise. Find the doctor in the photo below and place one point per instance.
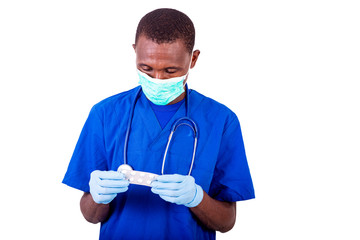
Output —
(176, 205)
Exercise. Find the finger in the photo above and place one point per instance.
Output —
(180, 200)
(113, 183)
(110, 191)
(170, 192)
(105, 199)
(188, 181)
(169, 199)
(171, 178)
(110, 175)
(183, 199)
(166, 185)
(164, 192)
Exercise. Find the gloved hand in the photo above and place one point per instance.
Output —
(105, 185)
(178, 189)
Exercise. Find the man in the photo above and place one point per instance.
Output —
(176, 205)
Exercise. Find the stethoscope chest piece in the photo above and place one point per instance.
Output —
(124, 167)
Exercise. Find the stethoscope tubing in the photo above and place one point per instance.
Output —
(178, 123)
(129, 124)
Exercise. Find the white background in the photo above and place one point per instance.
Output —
(288, 69)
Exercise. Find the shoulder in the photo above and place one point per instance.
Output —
(212, 108)
(116, 103)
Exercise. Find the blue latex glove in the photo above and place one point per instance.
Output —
(178, 189)
(105, 185)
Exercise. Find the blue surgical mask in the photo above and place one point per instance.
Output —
(161, 91)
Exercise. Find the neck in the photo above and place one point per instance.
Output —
(178, 99)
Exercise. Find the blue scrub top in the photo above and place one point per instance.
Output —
(165, 113)
(220, 166)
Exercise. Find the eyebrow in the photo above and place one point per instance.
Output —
(145, 65)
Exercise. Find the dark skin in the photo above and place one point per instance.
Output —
(163, 61)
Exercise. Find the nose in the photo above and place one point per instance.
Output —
(159, 75)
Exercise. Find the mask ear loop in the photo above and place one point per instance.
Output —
(187, 74)
(187, 89)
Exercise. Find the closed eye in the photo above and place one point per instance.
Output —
(171, 70)
(145, 68)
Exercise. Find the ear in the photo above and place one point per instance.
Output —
(134, 47)
(195, 57)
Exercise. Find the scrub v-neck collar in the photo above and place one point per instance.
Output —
(151, 124)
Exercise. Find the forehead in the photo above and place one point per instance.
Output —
(151, 53)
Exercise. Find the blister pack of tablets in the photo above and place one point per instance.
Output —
(137, 177)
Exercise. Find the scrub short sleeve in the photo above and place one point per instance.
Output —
(232, 180)
(89, 154)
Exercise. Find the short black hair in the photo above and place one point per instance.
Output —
(166, 25)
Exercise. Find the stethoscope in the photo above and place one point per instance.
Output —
(184, 121)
